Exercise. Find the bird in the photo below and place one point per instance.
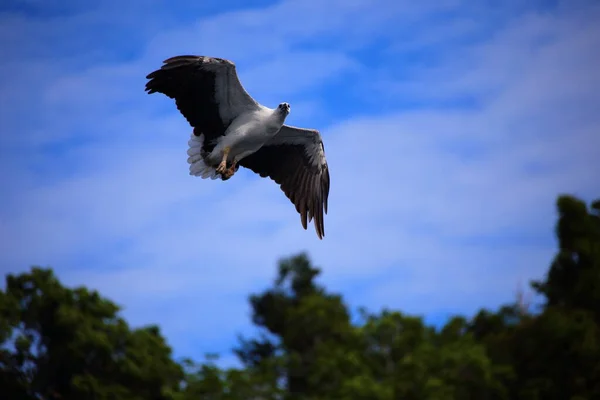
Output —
(231, 129)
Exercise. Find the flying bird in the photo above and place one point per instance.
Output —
(231, 129)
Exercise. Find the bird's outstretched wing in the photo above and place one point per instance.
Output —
(206, 90)
(295, 159)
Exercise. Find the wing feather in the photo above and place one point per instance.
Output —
(206, 90)
(295, 159)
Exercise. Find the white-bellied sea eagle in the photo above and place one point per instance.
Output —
(231, 129)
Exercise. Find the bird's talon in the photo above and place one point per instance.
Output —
(228, 173)
(221, 168)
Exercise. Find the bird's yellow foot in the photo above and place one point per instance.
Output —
(225, 172)
(222, 168)
(228, 172)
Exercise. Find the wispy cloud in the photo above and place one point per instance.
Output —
(450, 127)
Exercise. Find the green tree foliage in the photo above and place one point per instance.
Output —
(573, 281)
(556, 353)
(387, 356)
(561, 348)
(71, 344)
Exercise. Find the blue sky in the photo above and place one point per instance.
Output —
(450, 128)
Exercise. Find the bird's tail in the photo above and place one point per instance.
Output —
(198, 166)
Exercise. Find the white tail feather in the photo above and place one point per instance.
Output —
(197, 165)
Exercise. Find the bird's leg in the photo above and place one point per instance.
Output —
(228, 172)
(223, 165)
(232, 168)
(222, 169)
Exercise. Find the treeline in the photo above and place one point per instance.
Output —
(61, 343)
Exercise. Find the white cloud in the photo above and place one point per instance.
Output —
(296, 73)
(253, 34)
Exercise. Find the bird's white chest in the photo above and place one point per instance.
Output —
(250, 132)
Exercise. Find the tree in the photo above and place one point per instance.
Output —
(322, 355)
(413, 361)
(573, 281)
(307, 332)
(559, 351)
(207, 381)
(555, 354)
(66, 343)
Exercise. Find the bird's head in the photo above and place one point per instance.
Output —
(285, 108)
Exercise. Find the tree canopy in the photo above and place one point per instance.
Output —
(64, 343)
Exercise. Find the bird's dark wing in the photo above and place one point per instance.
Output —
(206, 90)
(295, 159)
